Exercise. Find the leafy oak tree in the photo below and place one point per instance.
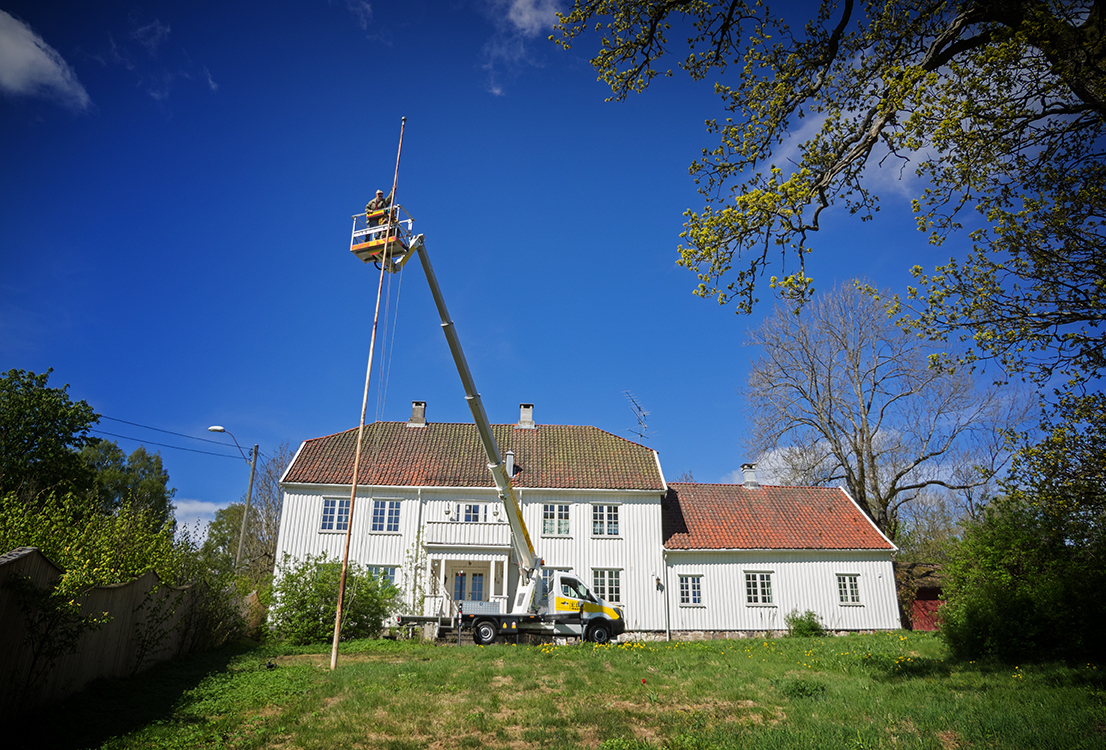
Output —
(998, 106)
(41, 433)
(138, 479)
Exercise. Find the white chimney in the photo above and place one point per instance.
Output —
(418, 414)
(525, 416)
(749, 472)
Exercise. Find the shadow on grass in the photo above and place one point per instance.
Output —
(888, 667)
(112, 707)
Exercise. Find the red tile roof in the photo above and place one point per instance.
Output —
(450, 455)
(731, 516)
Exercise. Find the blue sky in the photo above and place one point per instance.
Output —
(176, 186)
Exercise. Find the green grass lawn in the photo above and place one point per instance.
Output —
(890, 690)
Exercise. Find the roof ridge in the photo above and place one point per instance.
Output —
(759, 486)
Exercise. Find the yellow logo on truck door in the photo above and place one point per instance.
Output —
(563, 604)
(567, 605)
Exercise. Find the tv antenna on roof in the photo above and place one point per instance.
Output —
(640, 413)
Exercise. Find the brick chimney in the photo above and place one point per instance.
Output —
(418, 414)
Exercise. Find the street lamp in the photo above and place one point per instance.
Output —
(249, 491)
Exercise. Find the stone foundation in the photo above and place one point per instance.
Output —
(718, 635)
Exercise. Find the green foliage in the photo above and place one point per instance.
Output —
(994, 105)
(1026, 579)
(138, 479)
(40, 433)
(92, 548)
(306, 599)
(255, 569)
(804, 624)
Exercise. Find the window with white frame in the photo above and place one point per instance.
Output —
(335, 514)
(554, 520)
(472, 513)
(387, 571)
(691, 591)
(758, 588)
(607, 584)
(385, 515)
(848, 588)
(604, 520)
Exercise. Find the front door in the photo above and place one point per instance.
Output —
(468, 581)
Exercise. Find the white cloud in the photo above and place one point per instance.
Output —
(195, 515)
(532, 17)
(517, 23)
(151, 35)
(31, 67)
(362, 11)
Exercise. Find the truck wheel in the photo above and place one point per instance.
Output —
(600, 633)
(484, 633)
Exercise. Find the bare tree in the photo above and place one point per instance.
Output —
(259, 547)
(841, 394)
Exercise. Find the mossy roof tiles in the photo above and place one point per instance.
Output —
(732, 516)
(450, 455)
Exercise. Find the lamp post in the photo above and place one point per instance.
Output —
(249, 491)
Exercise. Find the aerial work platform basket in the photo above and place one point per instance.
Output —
(382, 237)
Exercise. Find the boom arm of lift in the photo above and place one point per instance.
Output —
(529, 564)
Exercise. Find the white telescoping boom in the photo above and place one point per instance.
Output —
(568, 607)
(529, 564)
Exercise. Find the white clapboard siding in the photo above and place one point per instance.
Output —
(301, 518)
(801, 580)
(635, 552)
(468, 534)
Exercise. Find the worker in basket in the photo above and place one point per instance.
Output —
(377, 206)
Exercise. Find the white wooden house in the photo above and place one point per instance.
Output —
(427, 515)
(744, 556)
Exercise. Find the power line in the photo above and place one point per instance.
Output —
(163, 445)
(260, 452)
(167, 432)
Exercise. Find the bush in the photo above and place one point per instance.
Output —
(805, 625)
(1017, 591)
(306, 597)
(1026, 580)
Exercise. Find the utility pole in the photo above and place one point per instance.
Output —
(361, 427)
(246, 512)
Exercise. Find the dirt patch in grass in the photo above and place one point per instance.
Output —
(323, 660)
(949, 740)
